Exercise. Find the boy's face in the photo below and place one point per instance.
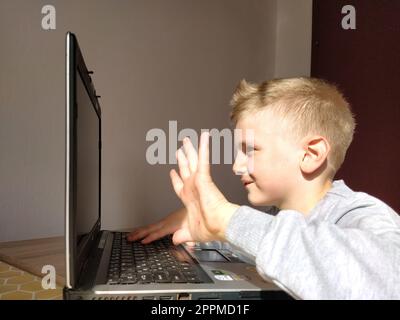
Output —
(270, 166)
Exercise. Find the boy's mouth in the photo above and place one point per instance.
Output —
(246, 183)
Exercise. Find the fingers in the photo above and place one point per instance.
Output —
(181, 236)
(148, 234)
(191, 154)
(155, 236)
(190, 162)
(183, 164)
(204, 163)
(177, 182)
(132, 236)
(142, 232)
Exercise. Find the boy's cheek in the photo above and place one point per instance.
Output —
(251, 165)
(267, 194)
(257, 197)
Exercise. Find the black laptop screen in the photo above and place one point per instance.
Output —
(87, 163)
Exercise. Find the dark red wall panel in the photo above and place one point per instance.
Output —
(365, 64)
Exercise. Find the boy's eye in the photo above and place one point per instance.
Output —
(249, 149)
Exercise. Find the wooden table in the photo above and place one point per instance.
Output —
(21, 265)
(32, 255)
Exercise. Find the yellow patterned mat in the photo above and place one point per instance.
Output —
(16, 284)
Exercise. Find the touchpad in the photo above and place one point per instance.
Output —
(209, 256)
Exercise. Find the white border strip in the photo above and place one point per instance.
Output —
(67, 154)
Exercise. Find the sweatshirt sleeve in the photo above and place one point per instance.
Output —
(321, 260)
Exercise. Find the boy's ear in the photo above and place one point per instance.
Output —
(315, 152)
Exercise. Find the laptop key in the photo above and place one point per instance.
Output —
(127, 269)
(128, 280)
(189, 274)
(177, 277)
(193, 279)
(145, 278)
(113, 281)
(161, 277)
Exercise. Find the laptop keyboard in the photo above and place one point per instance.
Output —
(157, 262)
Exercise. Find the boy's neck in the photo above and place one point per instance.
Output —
(307, 197)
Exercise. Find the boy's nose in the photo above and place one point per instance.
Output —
(240, 165)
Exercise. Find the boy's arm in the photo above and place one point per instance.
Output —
(309, 260)
(322, 260)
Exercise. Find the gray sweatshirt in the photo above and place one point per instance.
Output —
(348, 247)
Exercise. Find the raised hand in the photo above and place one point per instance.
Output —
(208, 211)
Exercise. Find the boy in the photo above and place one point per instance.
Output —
(327, 241)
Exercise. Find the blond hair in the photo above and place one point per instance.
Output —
(311, 105)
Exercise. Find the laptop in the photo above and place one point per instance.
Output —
(103, 265)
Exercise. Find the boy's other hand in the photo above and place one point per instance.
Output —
(208, 211)
(155, 231)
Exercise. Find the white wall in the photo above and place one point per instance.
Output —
(293, 38)
(154, 61)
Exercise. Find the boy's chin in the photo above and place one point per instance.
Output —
(257, 201)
